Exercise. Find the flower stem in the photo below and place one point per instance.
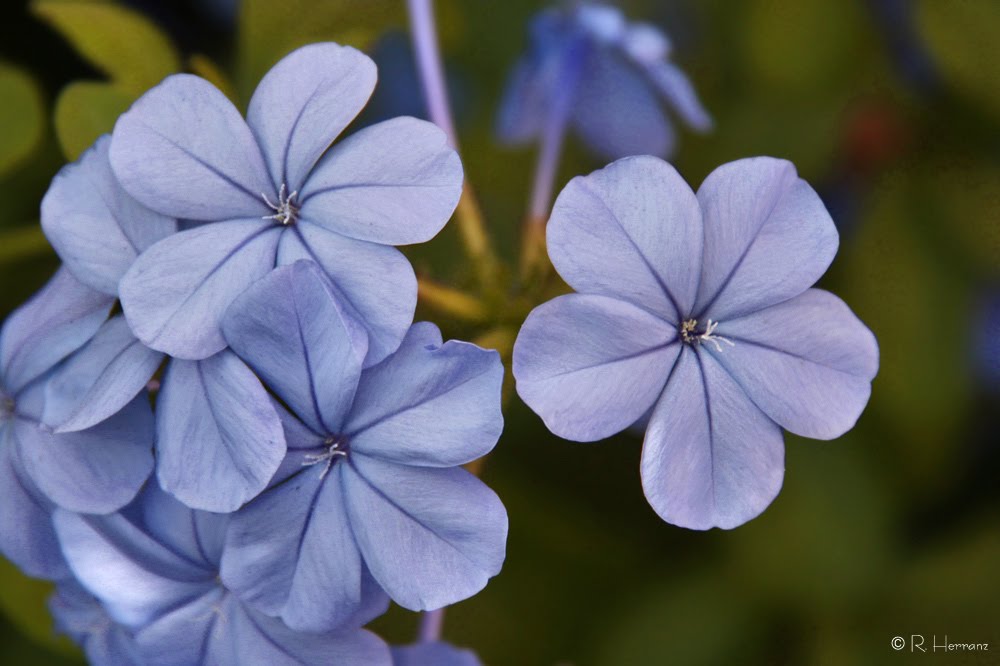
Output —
(553, 134)
(431, 623)
(468, 214)
(451, 301)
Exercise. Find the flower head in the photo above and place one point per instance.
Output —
(698, 308)
(154, 568)
(274, 194)
(372, 479)
(589, 68)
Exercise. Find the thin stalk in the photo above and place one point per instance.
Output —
(451, 301)
(471, 225)
(431, 624)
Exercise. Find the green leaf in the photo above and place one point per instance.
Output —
(22, 242)
(120, 42)
(21, 117)
(84, 111)
(269, 30)
(24, 603)
(963, 39)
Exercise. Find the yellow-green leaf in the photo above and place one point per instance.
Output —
(21, 116)
(84, 111)
(121, 42)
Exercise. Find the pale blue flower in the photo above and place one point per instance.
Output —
(699, 308)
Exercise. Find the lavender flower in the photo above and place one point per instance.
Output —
(83, 619)
(218, 438)
(96, 470)
(371, 481)
(435, 653)
(699, 308)
(589, 68)
(154, 569)
(274, 197)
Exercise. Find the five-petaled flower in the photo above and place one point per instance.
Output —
(698, 308)
(372, 484)
(274, 194)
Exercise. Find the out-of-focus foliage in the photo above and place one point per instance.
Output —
(122, 44)
(963, 39)
(21, 117)
(268, 30)
(888, 531)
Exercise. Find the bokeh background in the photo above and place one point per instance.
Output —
(890, 108)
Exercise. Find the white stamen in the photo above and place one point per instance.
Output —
(332, 452)
(715, 339)
(285, 211)
(689, 336)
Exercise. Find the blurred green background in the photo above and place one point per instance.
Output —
(890, 108)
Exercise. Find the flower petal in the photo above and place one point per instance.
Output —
(79, 615)
(99, 379)
(632, 231)
(217, 629)
(436, 653)
(293, 332)
(195, 535)
(57, 321)
(616, 112)
(26, 535)
(710, 457)
(177, 292)
(374, 283)
(676, 88)
(446, 520)
(304, 102)
(96, 228)
(184, 150)
(98, 470)
(807, 363)
(768, 237)
(136, 577)
(434, 405)
(394, 183)
(590, 366)
(291, 552)
(218, 439)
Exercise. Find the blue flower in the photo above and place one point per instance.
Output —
(434, 653)
(95, 470)
(154, 567)
(218, 438)
(372, 480)
(274, 194)
(82, 618)
(589, 68)
(699, 308)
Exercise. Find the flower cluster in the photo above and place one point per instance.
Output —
(221, 433)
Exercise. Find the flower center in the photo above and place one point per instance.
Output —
(286, 211)
(335, 448)
(7, 407)
(690, 334)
